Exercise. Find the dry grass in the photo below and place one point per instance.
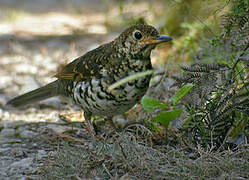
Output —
(130, 155)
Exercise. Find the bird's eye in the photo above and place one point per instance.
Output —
(137, 35)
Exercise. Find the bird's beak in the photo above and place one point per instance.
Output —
(159, 39)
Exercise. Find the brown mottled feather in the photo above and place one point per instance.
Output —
(87, 66)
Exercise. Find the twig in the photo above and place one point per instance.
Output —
(107, 171)
(130, 78)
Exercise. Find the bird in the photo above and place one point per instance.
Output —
(86, 79)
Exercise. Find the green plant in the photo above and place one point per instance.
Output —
(169, 111)
(218, 105)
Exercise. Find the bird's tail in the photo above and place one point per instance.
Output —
(39, 94)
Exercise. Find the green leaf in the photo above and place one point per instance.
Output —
(149, 104)
(166, 117)
(238, 127)
(181, 93)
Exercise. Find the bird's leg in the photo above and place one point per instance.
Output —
(109, 119)
(89, 126)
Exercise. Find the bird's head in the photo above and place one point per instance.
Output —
(140, 40)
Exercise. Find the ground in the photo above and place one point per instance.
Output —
(40, 141)
(36, 39)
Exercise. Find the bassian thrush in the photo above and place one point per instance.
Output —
(87, 78)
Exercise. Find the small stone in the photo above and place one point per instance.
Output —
(13, 124)
(2, 175)
(56, 128)
(41, 154)
(4, 150)
(8, 133)
(20, 165)
(19, 152)
(28, 134)
(35, 145)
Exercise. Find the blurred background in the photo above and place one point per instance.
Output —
(38, 37)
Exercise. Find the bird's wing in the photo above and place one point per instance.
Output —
(85, 67)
